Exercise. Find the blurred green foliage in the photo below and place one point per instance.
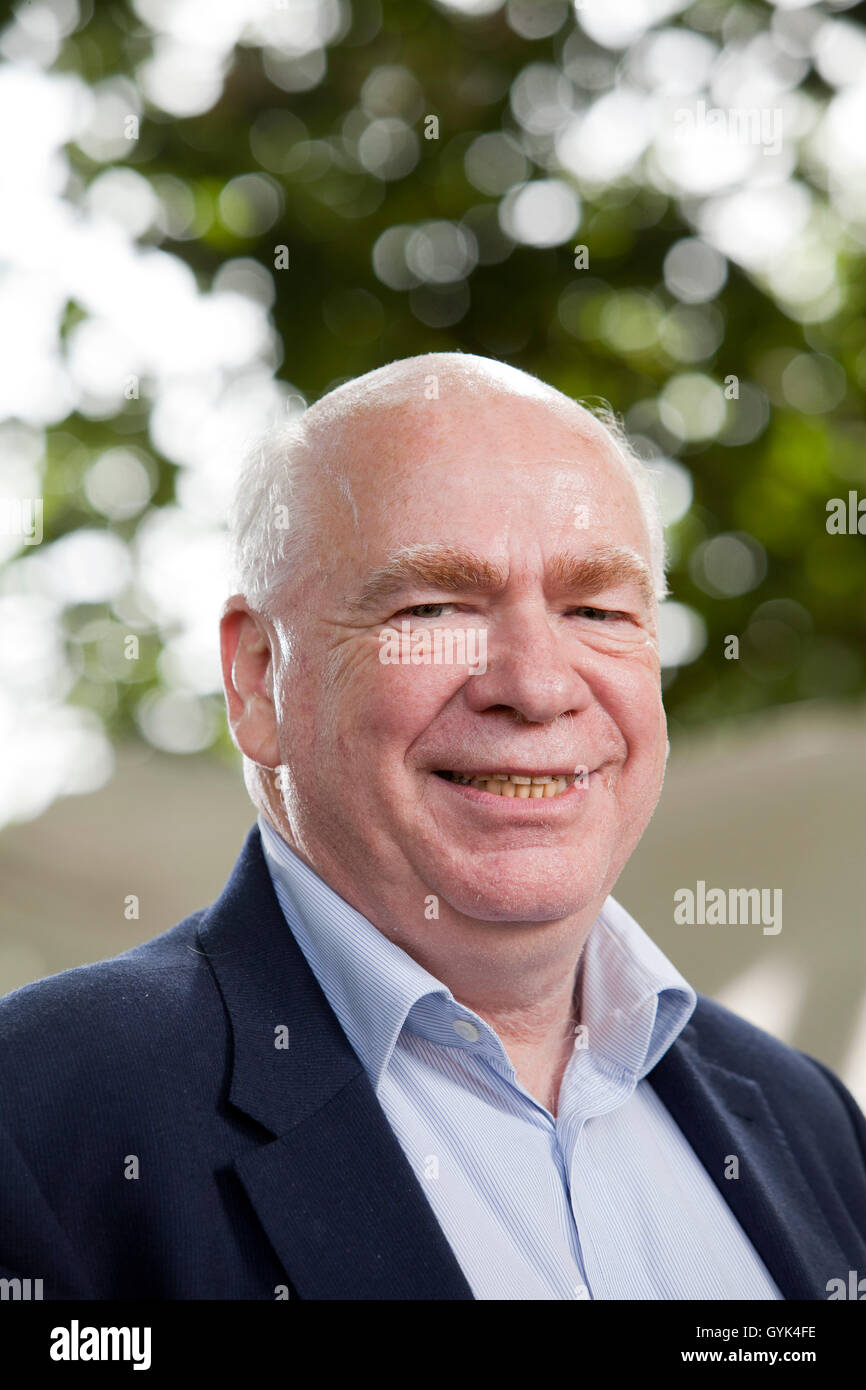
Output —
(803, 626)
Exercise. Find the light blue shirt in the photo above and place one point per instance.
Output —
(607, 1200)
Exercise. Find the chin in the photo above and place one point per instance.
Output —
(523, 898)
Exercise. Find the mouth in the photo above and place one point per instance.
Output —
(523, 786)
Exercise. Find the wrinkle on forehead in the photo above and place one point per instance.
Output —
(385, 417)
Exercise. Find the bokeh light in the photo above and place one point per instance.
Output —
(543, 213)
(682, 634)
(429, 184)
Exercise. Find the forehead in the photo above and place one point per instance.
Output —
(396, 425)
(469, 445)
(471, 468)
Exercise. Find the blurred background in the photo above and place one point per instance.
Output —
(212, 211)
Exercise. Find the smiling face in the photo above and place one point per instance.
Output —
(479, 512)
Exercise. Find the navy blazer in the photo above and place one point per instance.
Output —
(155, 1143)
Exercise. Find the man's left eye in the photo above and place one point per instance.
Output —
(418, 611)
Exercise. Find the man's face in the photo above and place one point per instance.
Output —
(572, 671)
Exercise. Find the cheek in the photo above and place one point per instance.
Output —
(633, 700)
(404, 702)
(390, 706)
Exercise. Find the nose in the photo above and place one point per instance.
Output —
(531, 671)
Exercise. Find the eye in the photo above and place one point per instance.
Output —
(421, 610)
(600, 614)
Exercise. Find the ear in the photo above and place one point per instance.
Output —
(245, 648)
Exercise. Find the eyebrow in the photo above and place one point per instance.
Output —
(451, 569)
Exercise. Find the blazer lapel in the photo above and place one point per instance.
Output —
(333, 1189)
(344, 1211)
(723, 1114)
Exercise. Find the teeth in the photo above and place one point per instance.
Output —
(516, 784)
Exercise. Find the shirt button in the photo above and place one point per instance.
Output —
(581, 1291)
(466, 1029)
(581, 1037)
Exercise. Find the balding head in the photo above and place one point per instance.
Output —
(434, 376)
(303, 473)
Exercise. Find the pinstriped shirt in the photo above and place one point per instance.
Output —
(607, 1200)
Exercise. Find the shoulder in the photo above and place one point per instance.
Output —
(724, 1035)
(99, 989)
(726, 1038)
(796, 1085)
(112, 1024)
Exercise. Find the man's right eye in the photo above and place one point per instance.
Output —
(599, 613)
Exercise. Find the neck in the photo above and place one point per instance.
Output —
(539, 1038)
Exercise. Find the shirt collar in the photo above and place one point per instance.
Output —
(633, 1001)
(370, 983)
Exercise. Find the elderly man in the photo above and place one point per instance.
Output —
(416, 1050)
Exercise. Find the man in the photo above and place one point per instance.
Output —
(416, 1050)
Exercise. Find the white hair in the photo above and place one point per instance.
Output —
(277, 508)
(272, 514)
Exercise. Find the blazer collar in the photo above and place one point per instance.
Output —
(333, 1189)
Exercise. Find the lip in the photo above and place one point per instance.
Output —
(518, 808)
